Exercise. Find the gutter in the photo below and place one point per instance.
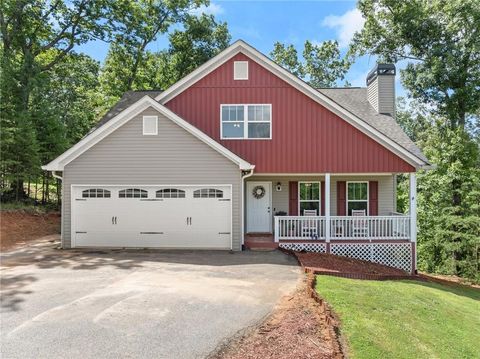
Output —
(243, 202)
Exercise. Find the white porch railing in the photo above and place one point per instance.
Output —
(299, 227)
(343, 228)
(370, 227)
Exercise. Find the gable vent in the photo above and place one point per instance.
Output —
(150, 125)
(240, 70)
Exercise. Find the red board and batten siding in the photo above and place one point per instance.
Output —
(306, 137)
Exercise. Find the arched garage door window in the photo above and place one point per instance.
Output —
(96, 193)
(133, 193)
(208, 193)
(170, 193)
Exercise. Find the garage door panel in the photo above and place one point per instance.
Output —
(179, 222)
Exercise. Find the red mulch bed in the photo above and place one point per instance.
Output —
(298, 328)
(321, 262)
(19, 227)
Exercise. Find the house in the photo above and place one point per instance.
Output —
(222, 155)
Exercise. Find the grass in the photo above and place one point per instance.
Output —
(405, 319)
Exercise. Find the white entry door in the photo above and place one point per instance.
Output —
(259, 207)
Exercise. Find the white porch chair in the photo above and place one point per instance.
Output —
(360, 225)
(309, 226)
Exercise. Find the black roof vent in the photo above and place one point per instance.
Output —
(380, 69)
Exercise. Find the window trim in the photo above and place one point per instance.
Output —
(141, 191)
(235, 78)
(150, 117)
(218, 193)
(180, 193)
(88, 192)
(245, 121)
(356, 200)
(303, 200)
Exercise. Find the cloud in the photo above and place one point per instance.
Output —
(212, 9)
(345, 25)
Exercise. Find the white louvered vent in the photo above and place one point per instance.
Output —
(150, 125)
(240, 70)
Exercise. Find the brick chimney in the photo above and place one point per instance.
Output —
(381, 88)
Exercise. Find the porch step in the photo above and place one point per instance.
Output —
(260, 243)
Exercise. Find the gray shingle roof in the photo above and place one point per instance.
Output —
(128, 99)
(354, 100)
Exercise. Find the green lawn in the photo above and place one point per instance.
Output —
(405, 319)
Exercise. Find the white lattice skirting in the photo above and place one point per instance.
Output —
(398, 255)
(308, 247)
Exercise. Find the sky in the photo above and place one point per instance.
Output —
(262, 23)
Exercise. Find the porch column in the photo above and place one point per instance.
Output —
(327, 207)
(413, 215)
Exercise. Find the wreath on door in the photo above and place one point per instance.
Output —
(258, 192)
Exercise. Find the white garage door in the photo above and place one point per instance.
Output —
(152, 216)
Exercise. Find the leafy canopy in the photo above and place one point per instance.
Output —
(322, 64)
(441, 40)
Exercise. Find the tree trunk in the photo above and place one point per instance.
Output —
(43, 188)
(47, 191)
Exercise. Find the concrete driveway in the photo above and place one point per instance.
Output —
(134, 304)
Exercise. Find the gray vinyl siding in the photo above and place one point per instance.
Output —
(386, 192)
(280, 199)
(372, 94)
(381, 94)
(174, 156)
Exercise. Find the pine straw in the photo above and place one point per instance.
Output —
(298, 328)
(337, 264)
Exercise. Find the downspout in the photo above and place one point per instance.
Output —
(249, 174)
(54, 174)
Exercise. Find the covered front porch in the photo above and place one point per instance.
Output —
(352, 215)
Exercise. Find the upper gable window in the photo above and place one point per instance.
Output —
(246, 121)
(240, 70)
(150, 125)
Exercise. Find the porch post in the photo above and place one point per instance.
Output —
(327, 208)
(413, 216)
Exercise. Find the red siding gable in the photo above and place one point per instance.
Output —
(306, 137)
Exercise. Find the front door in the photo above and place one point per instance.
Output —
(259, 198)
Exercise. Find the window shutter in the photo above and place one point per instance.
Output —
(322, 198)
(373, 198)
(341, 201)
(293, 199)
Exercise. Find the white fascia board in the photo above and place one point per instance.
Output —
(241, 46)
(145, 102)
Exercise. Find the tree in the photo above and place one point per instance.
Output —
(440, 42)
(37, 36)
(449, 239)
(199, 39)
(322, 65)
(141, 22)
